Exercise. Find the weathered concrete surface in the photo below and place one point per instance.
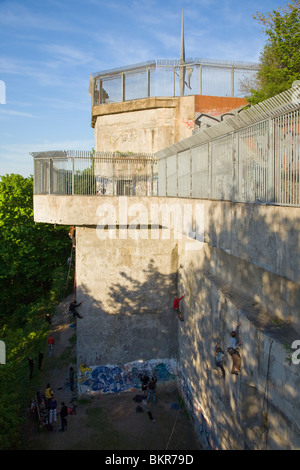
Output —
(257, 409)
(144, 125)
(126, 288)
(150, 124)
(243, 266)
(263, 240)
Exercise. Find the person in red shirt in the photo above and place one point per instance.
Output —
(176, 307)
(51, 343)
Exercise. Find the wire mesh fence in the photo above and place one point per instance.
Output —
(94, 173)
(170, 78)
(251, 157)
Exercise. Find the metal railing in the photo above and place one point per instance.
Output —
(170, 78)
(94, 173)
(251, 157)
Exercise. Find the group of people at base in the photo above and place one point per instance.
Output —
(51, 406)
(149, 391)
(47, 402)
(149, 387)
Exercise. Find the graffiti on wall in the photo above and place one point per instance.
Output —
(96, 380)
(203, 427)
(208, 119)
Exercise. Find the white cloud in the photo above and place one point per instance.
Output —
(15, 15)
(4, 113)
(69, 54)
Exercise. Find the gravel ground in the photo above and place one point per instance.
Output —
(106, 422)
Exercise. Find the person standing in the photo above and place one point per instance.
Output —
(52, 409)
(151, 389)
(146, 408)
(145, 381)
(40, 360)
(71, 378)
(31, 364)
(63, 415)
(48, 395)
(51, 343)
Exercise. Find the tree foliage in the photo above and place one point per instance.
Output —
(29, 252)
(33, 272)
(279, 63)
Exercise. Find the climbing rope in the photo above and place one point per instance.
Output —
(265, 400)
(70, 265)
(69, 270)
(173, 429)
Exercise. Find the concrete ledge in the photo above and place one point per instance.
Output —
(132, 106)
(264, 236)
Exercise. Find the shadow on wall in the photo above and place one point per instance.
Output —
(264, 245)
(131, 330)
(247, 273)
(153, 293)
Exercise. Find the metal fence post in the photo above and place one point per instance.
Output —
(201, 79)
(73, 176)
(174, 82)
(148, 83)
(177, 174)
(166, 175)
(113, 176)
(151, 178)
(234, 166)
(123, 87)
(209, 150)
(191, 176)
(232, 82)
(50, 176)
(271, 163)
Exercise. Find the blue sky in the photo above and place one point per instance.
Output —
(49, 48)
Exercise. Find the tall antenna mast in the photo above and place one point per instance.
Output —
(182, 60)
(182, 48)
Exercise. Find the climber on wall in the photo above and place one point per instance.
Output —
(234, 352)
(176, 307)
(72, 309)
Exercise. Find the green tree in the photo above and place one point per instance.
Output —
(85, 181)
(33, 270)
(279, 63)
(29, 252)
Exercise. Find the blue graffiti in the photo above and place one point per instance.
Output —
(113, 379)
(104, 379)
